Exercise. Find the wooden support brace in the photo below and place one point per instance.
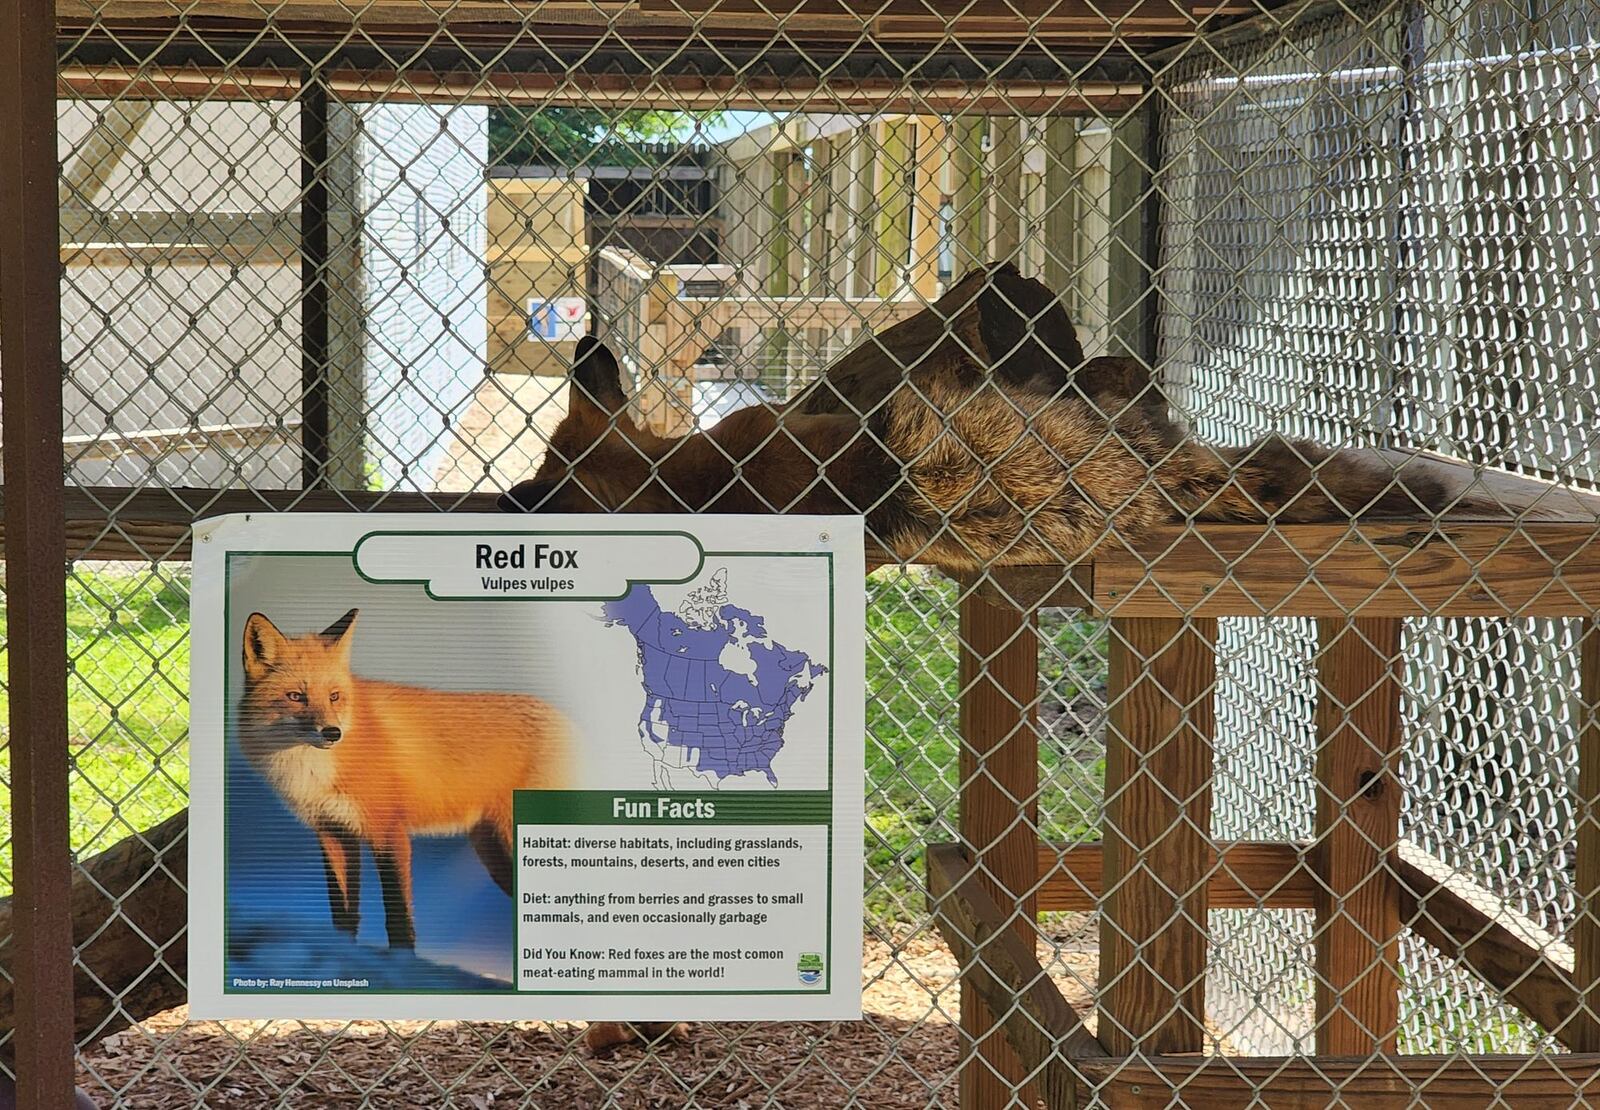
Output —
(1358, 824)
(1157, 846)
(1530, 968)
(1249, 875)
(999, 674)
(1000, 968)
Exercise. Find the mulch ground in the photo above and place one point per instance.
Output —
(903, 1055)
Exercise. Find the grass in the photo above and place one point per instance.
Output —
(127, 704)
(128, 651)
(913, 776)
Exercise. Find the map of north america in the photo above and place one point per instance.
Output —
(719, 691)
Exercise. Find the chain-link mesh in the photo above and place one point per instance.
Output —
(345, 252)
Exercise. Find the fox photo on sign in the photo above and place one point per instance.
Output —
(553, 767)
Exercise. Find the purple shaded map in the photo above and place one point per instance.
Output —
(718, 689)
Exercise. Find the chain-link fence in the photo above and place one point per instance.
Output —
(1182, 790)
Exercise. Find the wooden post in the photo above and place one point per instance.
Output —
(1128, 288)
(1157, 836)
(893, 172)
(999, 674)
(1586, 930)
(1060, 227)
(781, 243)
(345, 281)
(1358, 824)
(1007, 191)
(926, 219)
(819, 207)
(38, 954)
(970, 199)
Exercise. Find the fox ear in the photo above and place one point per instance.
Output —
(263, 646)
(340, 629)
(597, 380)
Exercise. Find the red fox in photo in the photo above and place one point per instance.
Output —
(362, 761)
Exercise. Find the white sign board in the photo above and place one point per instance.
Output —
(519, 767)
(562, 320)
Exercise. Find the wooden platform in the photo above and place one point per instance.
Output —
(1525, 547)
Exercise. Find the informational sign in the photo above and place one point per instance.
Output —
(526, 767)
(562, 320)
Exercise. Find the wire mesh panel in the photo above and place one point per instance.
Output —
(1134, 661)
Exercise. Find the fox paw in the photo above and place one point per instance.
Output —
(608, 1036)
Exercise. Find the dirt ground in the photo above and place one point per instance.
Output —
(903, 1055)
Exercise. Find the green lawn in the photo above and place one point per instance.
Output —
(127, 703)
(129, 653)
(912, 740)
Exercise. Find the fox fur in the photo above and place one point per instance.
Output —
(367, 762)
(958, 470)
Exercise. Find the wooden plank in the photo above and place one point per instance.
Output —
(1392, 569)
(826, 27)
(1129, 270)
(38, 951)
(1005, 190)
(932, 153)
(1368, 1082)
(999, 767)
(146, 524)
(1156, 835)
(893, 203)
(1250, 875)
(1000, 967)
(969, 198)
(1586, 930)
(1530, 968)
(1358, 824)
(680, 92)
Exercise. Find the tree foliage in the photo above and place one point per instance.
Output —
(585, 136)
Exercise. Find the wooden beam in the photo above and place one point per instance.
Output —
(931, 153)
(826, 29)
(152, 524)
(1358, 825)
(746, 92)
(1156, 835)
(1586, 930)
(1394, 569)
(1000, 967)
(893, 203)
(1249, 875)
(1368, 1082)
(254, 237)
(1005, 190)
(1528, 967)
(98, 154)
(969, 199)
(999, 770)
(38, 949)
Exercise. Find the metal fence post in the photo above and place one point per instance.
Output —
(40, 959)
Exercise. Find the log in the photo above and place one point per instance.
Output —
(992, 323)
(130, 912)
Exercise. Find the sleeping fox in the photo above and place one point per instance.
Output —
(969, 435)
(367, 762)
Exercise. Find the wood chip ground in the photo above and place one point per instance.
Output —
(903, 1055)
